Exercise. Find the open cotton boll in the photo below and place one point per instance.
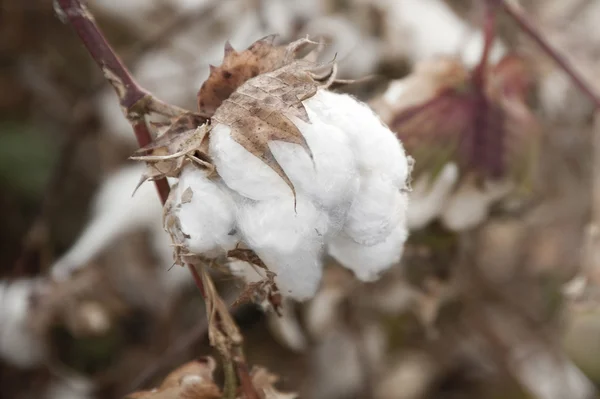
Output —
(206, 213)
(377, 209)
(116, 213)
(428, 199)
(367, 262)
(18, 344)
(375, 147)
(470, 205)
(289, 242)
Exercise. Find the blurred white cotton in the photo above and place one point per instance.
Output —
(19, 345)
(430, 29)
(470, 205)
(116, 213)
(428, 199)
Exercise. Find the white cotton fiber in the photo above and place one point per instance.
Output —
(367, 262)
(331, 178)
(377, 209)
(288, 241)
(243, 172)
(18, 344)
(206, 213)
(375, 147)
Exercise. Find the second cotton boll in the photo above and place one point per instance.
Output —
(350, 198)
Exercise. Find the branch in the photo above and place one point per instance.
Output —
(136, 104)
(516, 13)
(135, 101)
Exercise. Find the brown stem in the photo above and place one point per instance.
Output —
(533, 32)
(136, 103)
(133, 99)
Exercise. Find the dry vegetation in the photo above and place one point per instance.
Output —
(494, 294)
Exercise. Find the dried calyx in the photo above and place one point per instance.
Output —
(276, 165)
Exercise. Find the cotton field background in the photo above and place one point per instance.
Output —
(362, 199)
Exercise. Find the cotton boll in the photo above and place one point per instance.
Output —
(375, 147)
(469, 206)
(288, 241)
(367, 262)
(116, 213)
(18, 344)
(206, 213)
(377, 209)
(242, 171)
(428, 199)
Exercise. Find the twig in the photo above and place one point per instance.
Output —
(137, 103)
(516, 13)
(134, 100)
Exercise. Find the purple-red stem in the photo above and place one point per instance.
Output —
(134, 101)
(130, 94)
(529, 28)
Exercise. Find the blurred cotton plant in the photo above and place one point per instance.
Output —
(284, 168)
(19, 344)
(116, 213)
(472, 134)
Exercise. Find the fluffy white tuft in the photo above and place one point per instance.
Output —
(243, 172)
(376, 148)
(376, 211)
(367, 262)
(289, 242)
(206, 213)
(18, 344)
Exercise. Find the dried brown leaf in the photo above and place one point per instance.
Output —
(238, 67)
(184, 141)
(260, 110)
(187, 196)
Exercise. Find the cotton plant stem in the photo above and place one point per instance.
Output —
(521, 18)
(136, 104)
(135, 101)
